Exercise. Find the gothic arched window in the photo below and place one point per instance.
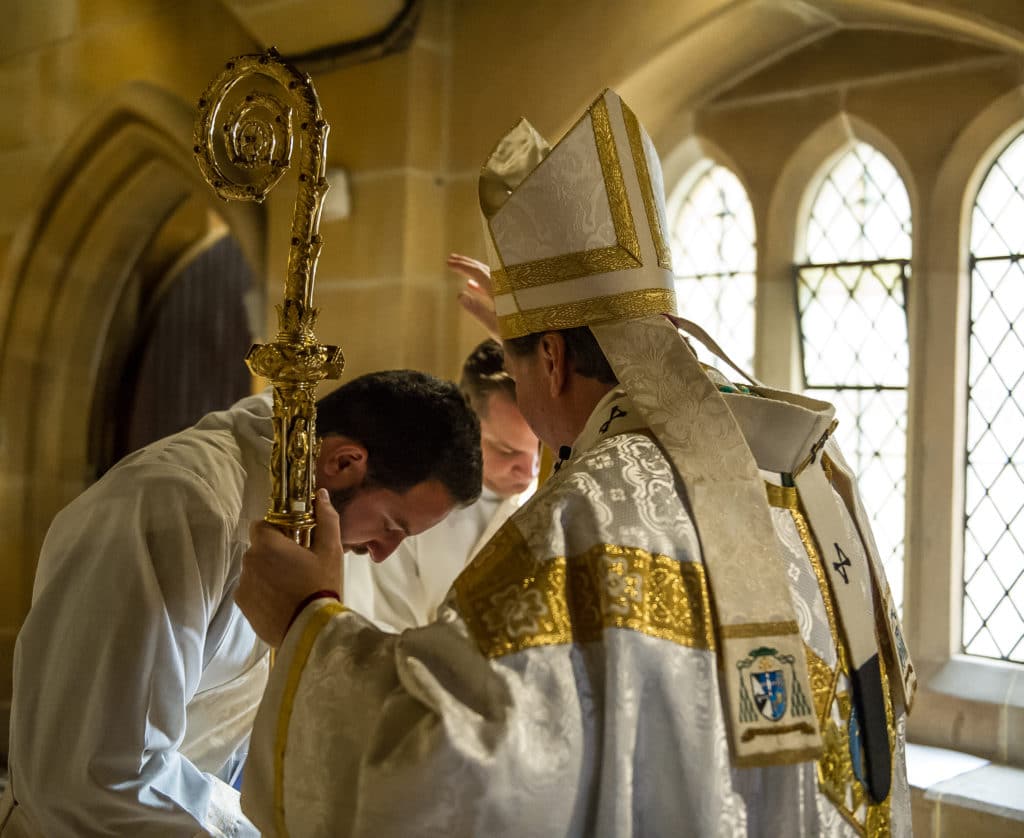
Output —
(851, 291)
(714, 256)
(993, 598)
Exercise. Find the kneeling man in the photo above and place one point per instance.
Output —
(136, 677)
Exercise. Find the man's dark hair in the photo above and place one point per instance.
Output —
(415, 427)
(581, 347)
(484, 374)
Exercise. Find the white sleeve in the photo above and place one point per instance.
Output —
(364, 734)
(109, 656)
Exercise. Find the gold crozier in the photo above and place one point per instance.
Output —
(244, 135)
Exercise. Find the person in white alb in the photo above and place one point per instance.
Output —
(136, 678)
(406, 590)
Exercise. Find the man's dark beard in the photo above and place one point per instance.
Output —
(339, 500)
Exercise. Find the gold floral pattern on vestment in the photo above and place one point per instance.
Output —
(512, 600)
(836, 777)
(823, 683)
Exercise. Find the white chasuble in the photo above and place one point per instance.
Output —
(569, 687)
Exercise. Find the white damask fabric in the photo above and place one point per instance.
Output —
(136, 678)
(569, 687)
(521, 235)
(577, 232)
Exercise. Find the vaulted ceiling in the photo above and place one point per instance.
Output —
(328, 31)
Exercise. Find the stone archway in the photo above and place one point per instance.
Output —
(126, 173)
(670, 84)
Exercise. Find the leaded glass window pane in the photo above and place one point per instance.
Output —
(993, 600)
(996, 224)
(861, 212)
(714, 256)
(851, 304)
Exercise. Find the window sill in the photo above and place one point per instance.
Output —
(971, 705)
(959, 794)
(974, 679)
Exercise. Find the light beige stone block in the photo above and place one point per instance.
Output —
(957, 821)
(427, 95)
(424, 239)
(937, 720)
(370, 243)
(465, 225)
(921, 814)
(23, 172)
(943, 103)
(547, 61)
(21, 83)
(92, 13)
(433, 29)
(425, 311)
(364, 321)
(31, 26)
(366, 107)
(192, 37)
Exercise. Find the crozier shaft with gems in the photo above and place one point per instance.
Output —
(245, 131)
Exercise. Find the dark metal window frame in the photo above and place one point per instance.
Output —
(904, 284)
(972, 263)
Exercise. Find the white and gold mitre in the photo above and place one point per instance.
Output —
(578, 231)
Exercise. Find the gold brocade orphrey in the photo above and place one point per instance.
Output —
(643, 173)
(513, 601)
(306, 641)
(832, 697)
(628, 305)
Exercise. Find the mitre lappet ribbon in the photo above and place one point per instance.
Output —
(788, 433)
(762, 660)
(792, 435)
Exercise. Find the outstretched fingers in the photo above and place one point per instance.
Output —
(476, 297)
(472, 269)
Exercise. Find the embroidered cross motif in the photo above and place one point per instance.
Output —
(843, 563)
(615, 414)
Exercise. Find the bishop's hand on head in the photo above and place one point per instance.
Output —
(279, 577)
(477, 296)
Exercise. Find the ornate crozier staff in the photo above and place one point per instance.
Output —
(255, 132)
